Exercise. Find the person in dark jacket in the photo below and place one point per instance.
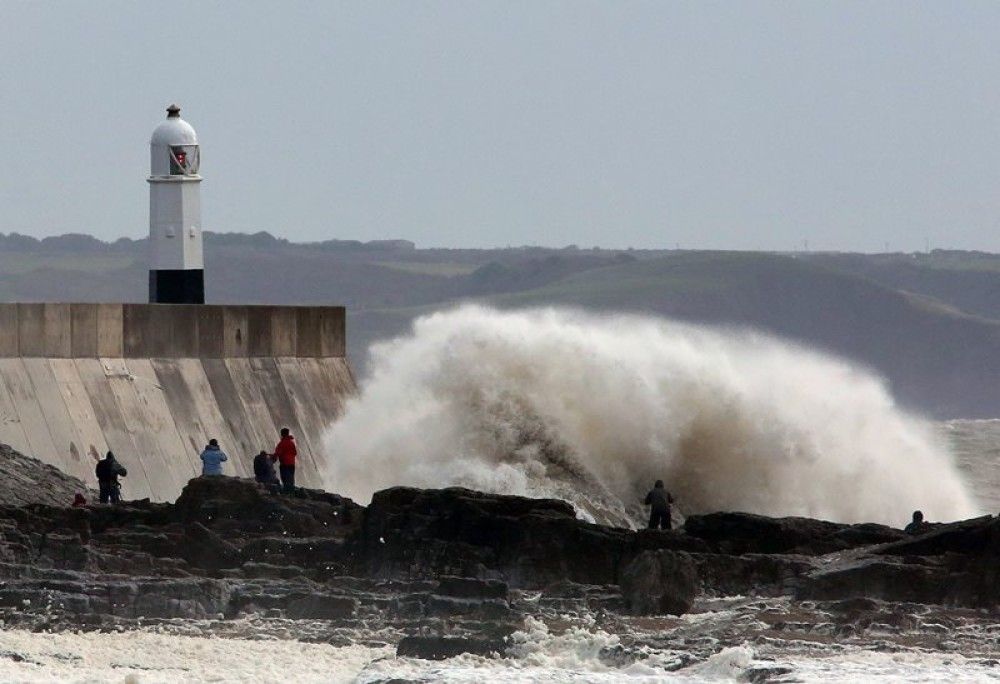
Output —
(659, 499)
(917, 525)
(108, 471)
(286, 452)
(263, 468)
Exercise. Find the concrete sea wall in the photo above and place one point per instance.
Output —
(155, 382)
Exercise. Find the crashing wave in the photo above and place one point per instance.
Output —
(592, 409)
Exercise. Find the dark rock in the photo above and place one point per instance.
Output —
(660, 583)
(761, 675)
(243, 506)
(442, 647)
(737, 533)
(172, 598)
(321, 607)
(752, 574)
(268, 571)
(302, 551)
(449, 559)
(565, 589)
(465, 587)
(528, 543)
(447, 606)
(881, 579)
(977, 536)
(203, 548)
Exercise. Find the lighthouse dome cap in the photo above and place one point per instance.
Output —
(174, 131)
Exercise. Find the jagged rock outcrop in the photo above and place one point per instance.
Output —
(528, 543)
(952, 564)
(739, 533)
(26, 480)
(447, 563)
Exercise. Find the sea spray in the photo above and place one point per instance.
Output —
(593, 409)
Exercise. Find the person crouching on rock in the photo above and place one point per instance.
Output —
(286, 453)
(108, 471)
(660, 500)
(212, 458)
(263, 468)
(917, 525)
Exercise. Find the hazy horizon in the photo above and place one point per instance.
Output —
(750, 126)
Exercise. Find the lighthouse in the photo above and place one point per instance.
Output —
(176, 265)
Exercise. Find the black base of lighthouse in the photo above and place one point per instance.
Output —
(177, 286)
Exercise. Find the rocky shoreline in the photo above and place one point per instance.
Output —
(441, 572)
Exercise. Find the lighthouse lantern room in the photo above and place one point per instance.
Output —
(176, 270)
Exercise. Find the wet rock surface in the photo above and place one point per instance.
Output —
(441, 572)
(660, 583)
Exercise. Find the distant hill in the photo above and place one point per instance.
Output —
(928, 323)
(968, 281)
(937, 359)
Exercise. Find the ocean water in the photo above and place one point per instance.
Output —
(976, 448)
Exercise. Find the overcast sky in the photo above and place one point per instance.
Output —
(720, 125)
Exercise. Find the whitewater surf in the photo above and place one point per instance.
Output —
(592, 409)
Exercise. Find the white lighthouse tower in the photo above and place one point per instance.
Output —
(176, 269)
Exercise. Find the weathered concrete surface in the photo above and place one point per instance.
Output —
(157, 414)
(155, 382)
(54, 330)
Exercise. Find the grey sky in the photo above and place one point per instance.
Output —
(720, 125)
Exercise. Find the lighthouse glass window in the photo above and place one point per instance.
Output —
(183, 160)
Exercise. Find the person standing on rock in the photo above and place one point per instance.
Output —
(108, 471)
(286, 452)
(659, 499)
(212, 458)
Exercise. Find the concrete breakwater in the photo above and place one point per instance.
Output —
(154, 382)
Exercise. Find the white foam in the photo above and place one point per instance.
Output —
(575, 655)
(593, 409)
(536, 654)
(905, 666)
(143, 657)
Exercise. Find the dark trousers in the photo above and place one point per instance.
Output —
(110, 491)
(659, 519)
(287, 477)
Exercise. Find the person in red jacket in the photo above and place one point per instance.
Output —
(286, 453)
